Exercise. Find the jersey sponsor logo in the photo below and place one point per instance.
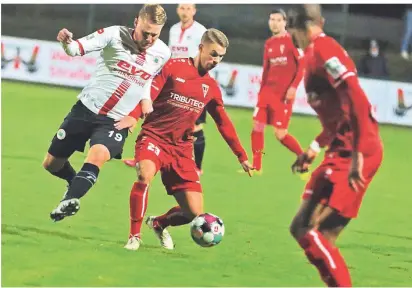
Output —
(335, 68)
(186, 100)
(133, 70)
(180, 49)
(279, 61)
(205, 89)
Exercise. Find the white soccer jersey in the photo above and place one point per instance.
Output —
(123, 75)
(184, 43)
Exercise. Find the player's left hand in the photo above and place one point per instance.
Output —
(126, 122)
(247, 167)
(356, 179)
(290, 95)
(147, 107)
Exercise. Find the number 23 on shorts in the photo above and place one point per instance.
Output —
(154, 148)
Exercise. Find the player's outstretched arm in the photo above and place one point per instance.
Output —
(93, 42)
(228, 132)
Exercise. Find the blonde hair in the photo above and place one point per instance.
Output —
(154, 13)
(215, 36)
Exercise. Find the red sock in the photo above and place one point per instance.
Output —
(173, 217)
(257, 148)
(292, 144)
(138, 206)
(326, 258)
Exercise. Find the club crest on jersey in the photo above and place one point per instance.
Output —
(282, 48)
(61, 134)
(205, 89)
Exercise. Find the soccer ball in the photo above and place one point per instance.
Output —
(207, 230)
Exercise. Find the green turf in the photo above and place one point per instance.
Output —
(257, 250)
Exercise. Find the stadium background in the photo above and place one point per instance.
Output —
(257, 250)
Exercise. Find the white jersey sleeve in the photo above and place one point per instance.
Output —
(93, 42)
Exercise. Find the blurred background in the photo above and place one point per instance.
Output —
(357, 27)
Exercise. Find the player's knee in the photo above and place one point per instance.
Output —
(52, 164)
(98, 155)
(280, 134)
(258, 126)
(297, 229)
(144, 175)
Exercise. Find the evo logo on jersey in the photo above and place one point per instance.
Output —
(279, 61)
(179, 49)
(133, 70)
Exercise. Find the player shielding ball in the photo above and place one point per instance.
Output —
(282, 73)
(180, 93)
(184, 40)
(128, 59)
(334, 193)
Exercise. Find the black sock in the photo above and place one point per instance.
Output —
(199, 147)
(67, 172)
(83, 181)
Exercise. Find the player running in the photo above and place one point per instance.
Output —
(282, 73)
(334, 193)
(181, 92)
(184, 40)
(128, 59)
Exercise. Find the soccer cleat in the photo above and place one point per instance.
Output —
(129, 162)
(133, 243)
(162, 234)
(64, 209)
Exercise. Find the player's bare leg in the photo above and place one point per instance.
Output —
(316, 227)
(82, 182)
(146, 171)
(190, 206)
(288, 141)
(257, 138)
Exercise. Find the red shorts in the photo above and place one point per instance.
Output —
(176, 164)
(329, 184)
(277, 113)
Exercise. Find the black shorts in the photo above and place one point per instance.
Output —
(81, 125)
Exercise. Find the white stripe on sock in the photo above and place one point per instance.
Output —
(323, 249)
(144, 201)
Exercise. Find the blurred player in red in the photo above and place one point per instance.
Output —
(282, 73)
(334, 193)
(180, 93)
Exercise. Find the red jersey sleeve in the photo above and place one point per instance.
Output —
(265, 65)
(342, 75)
(298, 54)
(155, 85)
(225, 126)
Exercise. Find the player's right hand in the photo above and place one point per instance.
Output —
(65, 36)
(356, 179)
(247, 167)
(303, 161)
(126, 122)
(147, 107)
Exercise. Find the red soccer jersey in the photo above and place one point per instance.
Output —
(282, 66)
(179, 96)
(345, 111)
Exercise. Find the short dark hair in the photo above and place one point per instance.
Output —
(301, 15)
(279, 11)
